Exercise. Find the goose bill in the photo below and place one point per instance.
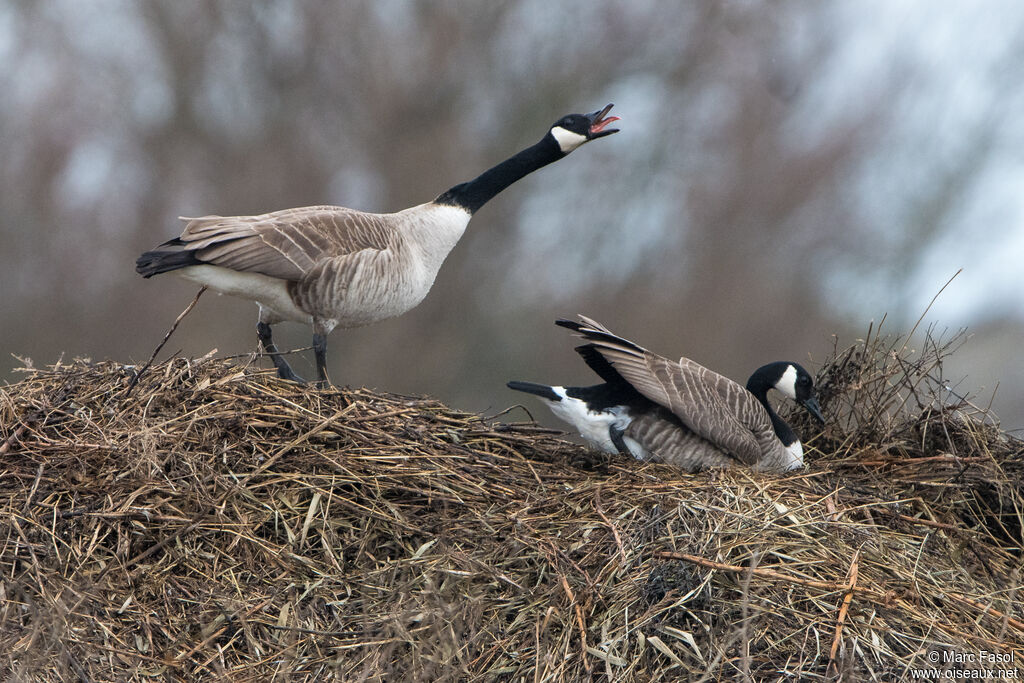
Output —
(812, 407)
(598, 123)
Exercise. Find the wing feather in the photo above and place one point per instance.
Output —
(714, 407)
(675, 444)
(285, 244)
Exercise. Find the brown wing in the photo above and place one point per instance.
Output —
(285, 244)
(716, 408)
(672, 443)
(703, 400)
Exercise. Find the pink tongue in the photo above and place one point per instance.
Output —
(600, 125)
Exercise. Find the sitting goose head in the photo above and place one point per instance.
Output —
(795, 383)
(789, 379)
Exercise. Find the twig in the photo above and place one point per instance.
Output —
(180, 658)
(30, 419)
(772, 574)
(174, 326)
(508, 410)
(31, 551)
(986, 609)
(755, 558)
(843, 609)
(152, 550)
(929, 306)
(1011, 600)
(32, 491)
(927, 522)
(13, 438)
(615, 530)
(579, 621)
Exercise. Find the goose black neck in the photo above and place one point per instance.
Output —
(477, 192)
(782, 429)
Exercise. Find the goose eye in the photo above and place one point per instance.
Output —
(573, 123)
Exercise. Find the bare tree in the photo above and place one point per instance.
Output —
(750, 208)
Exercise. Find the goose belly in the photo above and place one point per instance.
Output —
(269, 292)
(368, 288)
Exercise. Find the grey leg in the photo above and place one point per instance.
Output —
(321, 329)
(320, 351)
(620, 444)
(284, 371)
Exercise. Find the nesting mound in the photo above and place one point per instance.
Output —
(220, 523)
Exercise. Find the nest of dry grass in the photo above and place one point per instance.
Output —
(220, 523)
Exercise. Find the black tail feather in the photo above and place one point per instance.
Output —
(599, 364)
(569, 324)
(154, 262)
(592, 334)
(542, 390)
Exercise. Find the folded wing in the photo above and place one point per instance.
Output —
(284, 244)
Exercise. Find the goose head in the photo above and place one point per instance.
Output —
(792, 381)
(795, 383)
(573, 130)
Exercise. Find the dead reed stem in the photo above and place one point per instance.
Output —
(219, 523)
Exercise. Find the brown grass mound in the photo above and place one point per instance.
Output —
(220, 523)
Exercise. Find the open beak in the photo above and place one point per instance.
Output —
(598, 123)
(812, 407)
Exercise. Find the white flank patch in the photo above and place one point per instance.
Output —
(638, 451)
(566, 139)
(269, 292)
(796, 456)
(592, 425)
(791, 458)
(787, 385)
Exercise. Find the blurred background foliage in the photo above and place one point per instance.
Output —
(786, 172)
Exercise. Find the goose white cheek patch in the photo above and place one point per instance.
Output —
(787, 383)
(566, 139)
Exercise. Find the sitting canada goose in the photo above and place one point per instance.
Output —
(328, 266)
(680, 413)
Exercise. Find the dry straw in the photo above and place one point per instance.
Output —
(218, 523)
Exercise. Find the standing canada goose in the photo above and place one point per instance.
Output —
(328, 266)
(680, 413)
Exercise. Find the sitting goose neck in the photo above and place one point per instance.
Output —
(474, 194)
(782, 429)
